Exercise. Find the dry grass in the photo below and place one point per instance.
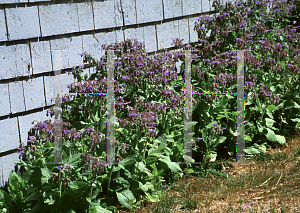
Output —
(274, 176)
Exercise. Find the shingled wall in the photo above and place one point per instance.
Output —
(30, 27)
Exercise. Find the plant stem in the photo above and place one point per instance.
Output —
(109, 177)
(91, 189)
(60, 184)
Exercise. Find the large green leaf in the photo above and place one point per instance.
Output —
(142, 167)
(76, 189)
(99, 209)
(75, 160)
(129, 161)
(150, 160)
(16, 183)
(252, 151)
(50, 196)
(33, 196)
(271, 135)
(269, 122)
(280, 139)
(157, 152)
(221, 140)
(123, 131)
(188, 159)
(172, 165)
(248, 138)
(5, 198)
(126, 198)
(145, 187)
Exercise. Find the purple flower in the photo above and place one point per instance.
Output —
(61, 167)
(280, 67)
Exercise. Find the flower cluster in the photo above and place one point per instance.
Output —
(135, 69)
(246, 34)
(223, 79)
(61, 175)
(93, 163)
(250, 84)
(217, 127)
(273, 98)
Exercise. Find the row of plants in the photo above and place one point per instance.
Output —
(149, 106)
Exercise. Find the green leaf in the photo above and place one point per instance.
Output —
(142, 167)
(122, 181)
(247, 138)
(128, 161)
(46, 174)
(75, 160)
(174, 167)
(263, 148)
(269, 114)
(280, 139)
(270, 34)
(145, 187)
(122, 130)
(281, 38)
(33, 196)
(296, 120)
(157, 152)
(190, 124)
(153, 198)
(126, 198)
(259, 127)
(150, 160)
(180, 147)
(15, 182)
(50, 196)
(76, 189)
(5, 198)
(188, 159)
(269, 122)
(170, 138)
(271, 135)
(211, 154)
(282, 63)
(38, 207)
(221, 140)
(296, 105)
(48, 144)
(190, 171)
(252, 151)
(99, 209)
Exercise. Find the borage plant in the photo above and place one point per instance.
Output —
(150, 126)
